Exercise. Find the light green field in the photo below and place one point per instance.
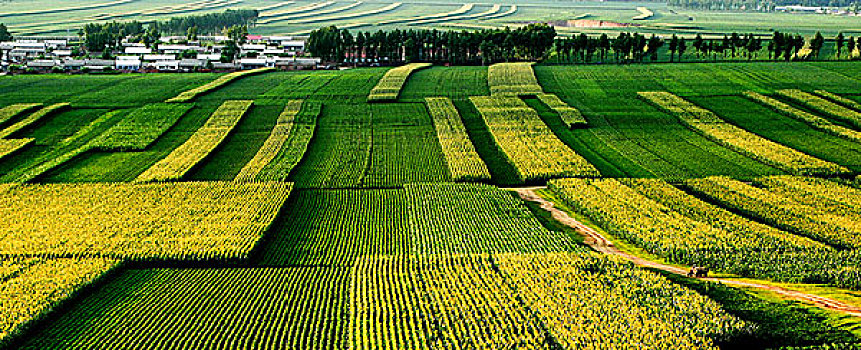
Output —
(664, 21)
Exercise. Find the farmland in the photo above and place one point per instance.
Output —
(372, 208)
(301, 16)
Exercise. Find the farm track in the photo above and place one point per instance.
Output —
(601, 244)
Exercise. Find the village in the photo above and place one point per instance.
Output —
(62, 54)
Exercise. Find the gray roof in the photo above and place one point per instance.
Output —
(192, 63)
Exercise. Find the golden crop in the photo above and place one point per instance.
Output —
(712, 126)
(389, 87)
(461, 157)
(811, 119)
(528, 143)
(569, 115)
(189, 95)
(825, 106)
(272, 146)
(199, 145)
(189, 220)
(513, 79)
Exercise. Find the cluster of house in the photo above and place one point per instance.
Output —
(171, 54)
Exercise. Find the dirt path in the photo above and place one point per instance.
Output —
(602, 244)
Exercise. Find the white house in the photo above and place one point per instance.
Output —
(137, 50)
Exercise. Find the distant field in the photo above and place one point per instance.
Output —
(301, 16)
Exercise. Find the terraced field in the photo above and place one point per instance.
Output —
(286, 210)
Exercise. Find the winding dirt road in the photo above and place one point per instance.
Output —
(602, 244)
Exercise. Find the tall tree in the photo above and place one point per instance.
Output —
(838, 43)
(683, 46)
(816, 44)
(4, 33)
(674, 43)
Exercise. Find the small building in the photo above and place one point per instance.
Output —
(221, 66)
(98, 64)
(128, 63)
(156, 58)
(165, 65)
(295, 63)
(209, 56)
(192, 64)
(73, 65)
(43, 65)
(137, 50)
(252, 63)
(293, 45)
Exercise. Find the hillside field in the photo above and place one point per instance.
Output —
(63, 17)
(371, 208)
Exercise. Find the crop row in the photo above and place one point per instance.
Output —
(289, 138)
(573, 300)
(266, 15)
(189, 95)
(389, 87)
(8, 147)
(30, 288)
(377, 145)
(459, 15)
(529, 144)
(570, 115)
(263, 9)
(243, 308)
(513, 79)
(592, 301)
(140, 128)
(809, 118)
(334, 227)
(463, 161)
(42, 11)
(304, 13)
(423, 19)
(512, 10)
(839, 99)
(65, 150)
(670, 223)
(715, 128)
(194, 221)
(343, 16)
(206, 139)
(12, 111)
(822, 105)
(297, 144)
(32, 119)
(447, 218)
(525, 301)
(795, 212)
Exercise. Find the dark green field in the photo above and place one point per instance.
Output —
(377, 247)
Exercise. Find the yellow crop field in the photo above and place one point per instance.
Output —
(190, 220)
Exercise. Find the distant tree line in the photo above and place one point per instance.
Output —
(99, 36)
(529, 42)
(759, 5)
(635, 47)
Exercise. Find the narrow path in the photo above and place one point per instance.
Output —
(600, 243)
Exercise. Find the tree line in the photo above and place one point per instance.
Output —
(530, 42)
(759, 5)
(100, 37)
(635, 47)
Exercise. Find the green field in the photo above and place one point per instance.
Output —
(357, 234)
(302, 16)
